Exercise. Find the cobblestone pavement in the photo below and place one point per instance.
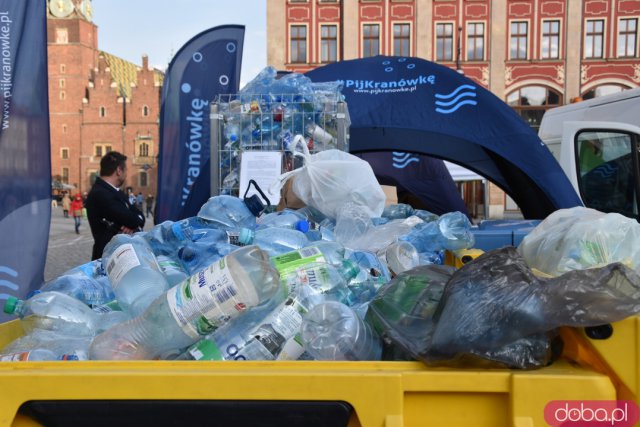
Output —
(66, 248)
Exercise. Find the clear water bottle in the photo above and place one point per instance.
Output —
(333, 331)
(196, 256)
(57, 312)
(58, 343)
(275, 241)
(136, 277)
(166, 238)
(451, 231)
(397, 211)
(38, 354)
(401, 256)
(231, 213)
(316, 252)
(193, 309)
(172, 270)
(376, 239)
(91, 290)
(284, 219)
(351, 224)
(322, 139)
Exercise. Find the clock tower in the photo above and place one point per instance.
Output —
(72, 45)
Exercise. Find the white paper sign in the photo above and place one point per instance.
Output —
(263, 167)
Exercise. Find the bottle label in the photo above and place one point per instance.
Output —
(205, 350)
(122, 260)
(292, 349)
(15, 357)
(167, 265)
(109, 307)
(291, 261)
(209, 299)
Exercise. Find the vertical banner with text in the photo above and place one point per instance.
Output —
(25, 163)
(206, 66)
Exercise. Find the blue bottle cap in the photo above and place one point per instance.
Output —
(302, 225)
(246, 236)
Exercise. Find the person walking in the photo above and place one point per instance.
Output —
(66, 204)
(149, 200)
(76, 211)
(140, 201)
(108, 209)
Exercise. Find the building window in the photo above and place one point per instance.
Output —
(145, 111)
(298, 44)
(370, 40)
(102, 112)
(594, 39)
(64, 153)
(475, 41)
(550, 40)
(65, 175)
(144, 179)
(64, 128)
(401, 39)
(531, 102)
(444, 42)
(328, 43)
(603, 90)
(627, 36)
(63, 68)
(61, 83)
(63, 95)
(143, 149)
(102, 149)
(519, 35)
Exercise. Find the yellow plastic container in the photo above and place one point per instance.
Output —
(379, 393)
(460, 257)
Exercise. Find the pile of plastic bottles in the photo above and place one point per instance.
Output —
(233, 283)
(268, 112)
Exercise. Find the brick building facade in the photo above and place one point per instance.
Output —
(98, 103)
(533, 54)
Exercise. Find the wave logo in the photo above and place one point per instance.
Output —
(6, 283)
(456, 99)
(402, 160)
(605, 170)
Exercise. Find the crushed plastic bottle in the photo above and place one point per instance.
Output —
(134, 272)
(193, 309)
(333, 331)
(87, 283)
(38, 354)
(275, 241)
(230, 213)
(451, 231)
(401, 256)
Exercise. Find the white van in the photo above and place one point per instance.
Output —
(597, 143)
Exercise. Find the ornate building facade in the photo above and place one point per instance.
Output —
(533, 54)
(98, 103)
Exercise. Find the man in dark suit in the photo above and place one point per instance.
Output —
(108, 209)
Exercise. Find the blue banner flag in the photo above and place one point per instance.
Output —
(206, 66)
(25, 163)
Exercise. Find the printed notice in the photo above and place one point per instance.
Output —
(263, 167)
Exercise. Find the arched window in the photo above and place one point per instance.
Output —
(531, 102)
(145, 111)
(144, 149)
(102, 112)
(603, 90)
(144, 179)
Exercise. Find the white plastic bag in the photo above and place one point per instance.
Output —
(580, 238)
(331, 178)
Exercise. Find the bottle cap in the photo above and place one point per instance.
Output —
(246, 236)
(10, 305)
(254, 204)
(302, 225)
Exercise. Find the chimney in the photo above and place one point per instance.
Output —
(145, 62)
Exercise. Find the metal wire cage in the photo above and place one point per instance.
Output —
(268, 122)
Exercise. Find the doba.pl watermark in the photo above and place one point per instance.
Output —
(591, 413)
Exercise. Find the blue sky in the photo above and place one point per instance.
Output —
(159, 28)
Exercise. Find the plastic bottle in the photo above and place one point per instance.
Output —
(134, 272)
(376, 239)
(333, 331)
(196, 256)
(397, 211)
(92, 291)
(316, 252)
(284, 219)
(230, 213)
(53, 341)
(172, 270)
(58, 312)
(275, 241)
(321, 138)
(193, 309)
(166, 238)
(451, 231)
(38, 354)
(310, 285)
(401, 256)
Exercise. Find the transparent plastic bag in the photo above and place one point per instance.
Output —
(331, 178)
(579, 238)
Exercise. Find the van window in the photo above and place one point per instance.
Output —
(607, 164)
